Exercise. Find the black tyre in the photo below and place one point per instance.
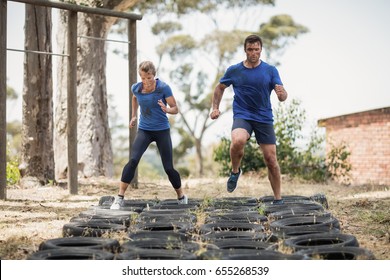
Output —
(97, 243)
(243, 244)
(337, 253)
(290, 213)
(106, 200)
(180, 207)
(160, 244)
(243, 216)
(91, 229)
(96, 212)
(238, 235)
(229, 202)
(304, 225)
(159, 235)
(156, 254)
(286, 198)
(230, 226)
(162, 217)
(247, 254)
(294, 205)
(320, 198)
(164, 226)
(323, 240)
(71, 254)
(192, 202)
(114, 220)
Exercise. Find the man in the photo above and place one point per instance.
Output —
(253, 81)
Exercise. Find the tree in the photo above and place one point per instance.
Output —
(94, 140)
(195, 65)
(37, 125)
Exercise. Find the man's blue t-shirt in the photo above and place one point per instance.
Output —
(252, 90)
(151, 115)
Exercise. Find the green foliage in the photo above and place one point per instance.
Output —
(12, 170)
(253, 159)
(338, 163)
(306, 162)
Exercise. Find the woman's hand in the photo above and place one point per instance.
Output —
(133, 122)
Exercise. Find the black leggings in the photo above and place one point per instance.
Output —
(164, 145)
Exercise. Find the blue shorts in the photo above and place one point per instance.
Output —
(264, 133)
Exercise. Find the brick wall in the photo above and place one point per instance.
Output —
(367, 136)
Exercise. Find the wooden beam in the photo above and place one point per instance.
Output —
(72, 103)
(132, 37)
(3, 99)
(81, 9)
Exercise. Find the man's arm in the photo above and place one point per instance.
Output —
(217, 97)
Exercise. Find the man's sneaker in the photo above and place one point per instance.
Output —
(277, 202)
(232, 182)
(183, 200)
(118, 203)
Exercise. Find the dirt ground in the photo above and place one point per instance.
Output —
(34, 214)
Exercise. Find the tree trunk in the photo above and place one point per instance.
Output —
(37, 128)
(95, 157)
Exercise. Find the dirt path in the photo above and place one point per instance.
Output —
(32, 215)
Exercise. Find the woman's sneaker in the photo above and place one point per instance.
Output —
(118, 203)
(183, 200)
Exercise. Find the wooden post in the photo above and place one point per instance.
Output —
(72, 103)
(3, 99)
(132, 36)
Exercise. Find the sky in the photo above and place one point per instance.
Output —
(339, 67)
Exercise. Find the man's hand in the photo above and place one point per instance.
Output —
(280, 92)
(215, 114)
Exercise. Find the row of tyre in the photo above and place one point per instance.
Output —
(224, 228)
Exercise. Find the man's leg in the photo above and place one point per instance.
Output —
(269, 153)
(239, 138)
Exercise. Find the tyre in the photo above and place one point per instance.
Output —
(294, 205)
(230, 226)
(229, 202)
(243, 216)
(304, 225)
(119, 221)
(97, 243)
(243, 244)
(91, 229)
(247, 254)
(176, 206)
(156, 254)
(71, 254)
(160, 244)
(290, 213)
(159, 235)
(286, 198)
(106, 200)
(320, 198)
(193, 202)
(323, 240)
(337, 253)
(238, 235)
(159, 217)
(96, 212)
(164, 226)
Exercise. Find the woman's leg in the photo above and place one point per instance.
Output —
(141, 143)
(164, 145)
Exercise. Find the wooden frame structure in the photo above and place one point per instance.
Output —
(71, 82)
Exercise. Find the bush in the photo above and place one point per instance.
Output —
(13, 174)
(253, 159)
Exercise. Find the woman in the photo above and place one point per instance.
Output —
(155, 100)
